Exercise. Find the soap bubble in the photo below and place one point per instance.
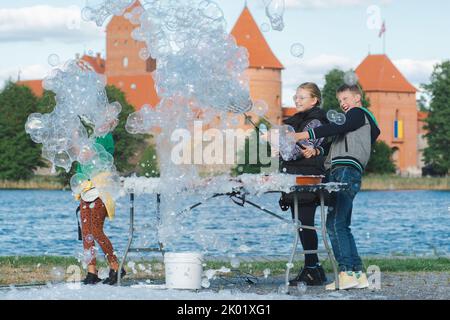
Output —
(350, 78)
(265, 27)
(76, 182)
(340, 119)
(275, 12)
(57, 273)
(144, 54)
(266, 273)
(260, 107)
(302, 287)
(331, 115)
(53, 60)
(205, 283)
(297, 50)
(235, 263)
(283, 289)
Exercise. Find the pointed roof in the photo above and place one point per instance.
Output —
(378, 73)
(34, 85)
(248, 35)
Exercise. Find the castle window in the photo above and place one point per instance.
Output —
(125, 62)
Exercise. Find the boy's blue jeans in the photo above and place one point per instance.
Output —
(340, 216)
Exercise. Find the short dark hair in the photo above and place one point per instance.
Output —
(352, 88)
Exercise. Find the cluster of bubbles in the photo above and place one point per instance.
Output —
(336, 117)
(98, 11)
(275, 13)
(197, 59)
(287, 142)
(80, 100)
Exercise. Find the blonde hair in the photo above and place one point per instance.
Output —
(313, 90)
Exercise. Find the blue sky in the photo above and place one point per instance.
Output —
(335, 33)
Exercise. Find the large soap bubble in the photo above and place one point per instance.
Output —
(275, 13)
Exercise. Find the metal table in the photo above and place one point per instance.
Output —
(239, 197)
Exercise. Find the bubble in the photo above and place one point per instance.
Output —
(265, 27)
(297, 50)
(133, 86)
(53, 60)
(57, 273)
(275, 12)
(235, 263)
(350, 78)
(331, 115)
(302, 287)
(89, 238)
(283, 289)
(260, 107)
(289, 265)
(266, 273)
(144, 54)
(340, 119)
(206, 283)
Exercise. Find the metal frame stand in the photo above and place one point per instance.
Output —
(240, 195)
(129, 248)
(323, 229)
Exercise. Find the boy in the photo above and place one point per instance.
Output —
(348, 156)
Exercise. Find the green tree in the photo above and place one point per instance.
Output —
(381, 161)
(19, 155)
(438, 122)
(148, 164)
(333, 80)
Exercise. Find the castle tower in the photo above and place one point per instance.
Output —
(265, 69)
(393, 102)
(122, 51)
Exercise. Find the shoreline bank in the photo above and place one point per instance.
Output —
(369, 183)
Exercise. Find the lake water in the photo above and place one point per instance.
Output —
(384, 223)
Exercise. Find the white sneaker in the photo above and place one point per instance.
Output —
(347, 280)
(361, 277)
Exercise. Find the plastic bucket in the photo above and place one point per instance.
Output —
(183, 270)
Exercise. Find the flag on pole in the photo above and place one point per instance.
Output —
(382, 30)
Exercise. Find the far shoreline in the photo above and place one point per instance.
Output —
(369, 183)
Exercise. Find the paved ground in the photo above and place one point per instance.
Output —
(394, 286)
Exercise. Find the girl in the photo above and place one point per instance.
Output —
(306, 159)
(93, 214)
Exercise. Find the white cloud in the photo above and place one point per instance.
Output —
(417, 72)
(43, 22)
(30, 72)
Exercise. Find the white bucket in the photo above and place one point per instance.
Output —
(183, 270)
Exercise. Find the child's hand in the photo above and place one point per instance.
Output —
(309, 152)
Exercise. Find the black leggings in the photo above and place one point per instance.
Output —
(308, 237)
